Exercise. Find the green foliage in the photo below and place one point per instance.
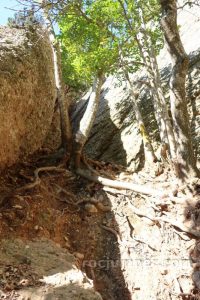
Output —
(87, 45)
(93, 33)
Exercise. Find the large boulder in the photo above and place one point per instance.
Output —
(27, 92)
(41, 260)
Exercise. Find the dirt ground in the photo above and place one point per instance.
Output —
(67, 238)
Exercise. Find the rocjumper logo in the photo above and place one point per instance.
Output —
(142, 263)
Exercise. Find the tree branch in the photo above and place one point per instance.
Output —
(190, 3)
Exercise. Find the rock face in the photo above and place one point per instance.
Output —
(27, 92)
(40, 260)
(115, 136)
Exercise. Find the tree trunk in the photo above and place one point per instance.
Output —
(148, 149)
(161, 111)
(154, 75)
(160, 93)
(88, 119)
(140, 40)
(144, 43)
(156, 100)
(65, 125)
(186, 164)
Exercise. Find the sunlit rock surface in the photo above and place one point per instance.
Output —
(27, 92)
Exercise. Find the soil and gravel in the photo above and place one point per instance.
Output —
(67, 238)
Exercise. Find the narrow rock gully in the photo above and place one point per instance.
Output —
(55, 231)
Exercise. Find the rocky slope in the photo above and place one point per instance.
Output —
(27, 92)
(40, 270)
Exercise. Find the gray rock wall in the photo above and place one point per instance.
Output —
(27, 92)
(115, 136)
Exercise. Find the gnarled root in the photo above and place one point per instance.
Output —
(37, 178)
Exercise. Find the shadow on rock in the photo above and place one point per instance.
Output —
(114, 136)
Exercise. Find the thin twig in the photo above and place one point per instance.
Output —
(144, 242)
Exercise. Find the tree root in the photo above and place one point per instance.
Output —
(29, 185)
(85, 201)
(95, 162)
(99, 164)
(70, 211)
(48, 169)
(86, 162)
(120, 184)
(64, 191)
(105, 173)
(37, 178)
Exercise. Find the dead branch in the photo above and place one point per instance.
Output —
(189, 3)
(177, 224)
(170, 199)
(144, 242)
(111, 185)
